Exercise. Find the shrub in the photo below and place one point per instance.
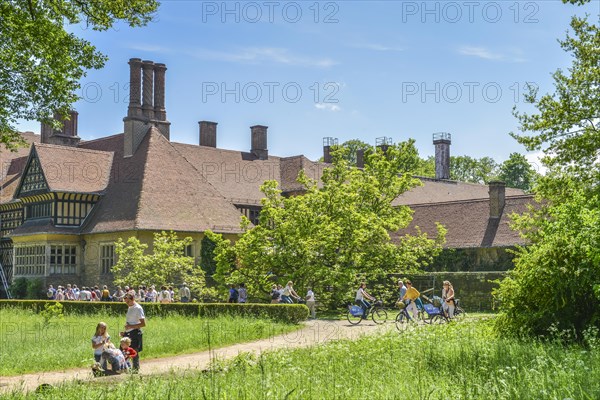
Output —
(291, 313)
(18, 289)
(35, 289)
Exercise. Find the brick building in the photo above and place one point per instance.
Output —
(65, 201)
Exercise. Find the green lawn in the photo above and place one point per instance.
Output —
(26, 345)
(455, 361)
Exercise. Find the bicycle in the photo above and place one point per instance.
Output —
(403, 320)
(377, 312)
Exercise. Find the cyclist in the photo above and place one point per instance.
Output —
(412, 295)
(289, 293)
(361, 294)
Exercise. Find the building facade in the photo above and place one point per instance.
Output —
(64, 201)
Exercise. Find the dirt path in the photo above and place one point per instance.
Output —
(314, 332)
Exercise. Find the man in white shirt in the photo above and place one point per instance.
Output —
(135, 320)
(184, 293)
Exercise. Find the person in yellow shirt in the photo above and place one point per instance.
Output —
(411, 295)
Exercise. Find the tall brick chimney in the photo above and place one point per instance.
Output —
(360, 158)
(497, 193)
(327, 143)
(67, 135)
(442, 141)
(383, 143)
(259, 141)
(208, 133)
(146, 103)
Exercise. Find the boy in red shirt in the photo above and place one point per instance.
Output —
(127, 351)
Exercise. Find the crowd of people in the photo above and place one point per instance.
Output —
(166, 294)
(286, 294)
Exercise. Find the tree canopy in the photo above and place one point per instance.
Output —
(553, 286)
(41, 62)
(335, 234)
(166, 265)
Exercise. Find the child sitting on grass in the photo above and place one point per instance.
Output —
(113, 356)
(127, 351)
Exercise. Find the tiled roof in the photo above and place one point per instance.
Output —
(435, 191)
(72, 169)
(12, 164)
(236, 175)
(468, 222)
(43, 226)
(190, 188)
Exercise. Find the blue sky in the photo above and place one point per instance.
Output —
(347, 69)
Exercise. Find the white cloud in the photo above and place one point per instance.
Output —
(487, 54)
(260, 55)
(149, 48)
(377, 47)
(328, 107)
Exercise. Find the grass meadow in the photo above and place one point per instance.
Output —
(457, 361)
(28, 345)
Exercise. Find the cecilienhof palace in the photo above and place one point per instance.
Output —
(65, 201)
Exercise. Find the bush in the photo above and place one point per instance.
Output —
(291, 313)
(35, 289)
(18, 289)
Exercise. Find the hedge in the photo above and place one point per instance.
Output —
(292, 313)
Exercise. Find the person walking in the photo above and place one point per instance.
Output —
(448, 299)
(311, 303)
(242, 293)
(135, 321)
(184, 293)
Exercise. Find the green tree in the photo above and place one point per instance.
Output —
(166, 265)
(516, 172)
(469, 169)
(333, 235)
(552, 285)
(41, 62)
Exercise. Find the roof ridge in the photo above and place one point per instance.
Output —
(101, 138)
(57, 146)
(218, 149)
(463, 201)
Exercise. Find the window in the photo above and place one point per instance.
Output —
(251, 212)
(189, 250)
(63, 259)
(107, 257)
(39, 210)
(73, 208)
(30, 260)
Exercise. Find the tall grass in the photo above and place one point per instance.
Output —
(29, 345)
(463, 361)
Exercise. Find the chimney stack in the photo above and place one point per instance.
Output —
(66, 136)
(360, 158)
(208, 133)
(497, 193)
(383, 143)
(259, 141)
(327, 143)
(146, 103)
(442, 141)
